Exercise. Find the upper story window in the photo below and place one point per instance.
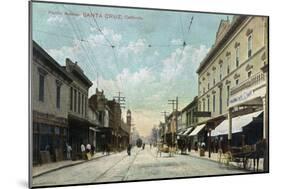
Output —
(79, 102)
(228, 57)
(42, 75)
(228, 69)
(228, 92)
(237, 81)
(71, 98)
(41, 87)
(214, 81)
(237, 56)
(58, 83)
(75, 100)
(221, 71)
(249, 74)
(250, 45)
(208, 86)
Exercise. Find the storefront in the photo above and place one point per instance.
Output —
(198, 136)
(50, 135)
(78, 134)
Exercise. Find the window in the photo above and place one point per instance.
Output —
(237, 56)
(208, 86)
(237, 81)
(85, 105)
(250, 45)
(79, 102)
(82, 109)
(214, 81)
(203, 90)
(75, 99)
(203, 105)
(41, 87)
(220, 100)
(71, 98)
(228, 69)
(249, 74)
(227, 100)
(58, 95)
(221, 71)
(228, 63)
(208, 104)
(214, 103)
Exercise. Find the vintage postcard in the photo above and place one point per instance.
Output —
(124, 94)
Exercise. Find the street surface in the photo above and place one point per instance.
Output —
(142, 164)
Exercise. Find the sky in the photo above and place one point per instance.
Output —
(150, 56)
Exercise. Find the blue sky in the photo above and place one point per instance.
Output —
(148, 63)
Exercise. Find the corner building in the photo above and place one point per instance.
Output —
(231, 84)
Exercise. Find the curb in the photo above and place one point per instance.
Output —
(65, 166)
(212, 160)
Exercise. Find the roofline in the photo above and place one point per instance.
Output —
(38, 48)
(190, 104)
(81, 75)
(213, 51)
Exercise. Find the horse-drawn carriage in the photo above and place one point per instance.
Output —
(166, 149)
(244, 156)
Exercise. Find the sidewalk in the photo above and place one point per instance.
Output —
(49, 167)
(214, 157)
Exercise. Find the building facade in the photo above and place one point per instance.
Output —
(49, 107)
(230, 80)
(100, 133)
(78, 107)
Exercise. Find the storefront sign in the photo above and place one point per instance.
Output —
(202, 114)
(242, 97)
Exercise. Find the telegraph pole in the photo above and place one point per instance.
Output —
(121, 101)
(165, 124)
(165, 115)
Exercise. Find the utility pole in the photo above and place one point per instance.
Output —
(174, 102)
(165, 124)
(121, 101)
(165, 115)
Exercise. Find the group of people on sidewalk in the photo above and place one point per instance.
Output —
(87, 151)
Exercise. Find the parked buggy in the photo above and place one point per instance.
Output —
(243, 156)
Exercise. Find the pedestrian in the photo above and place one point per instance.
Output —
(143, 146)
(68, 151)
(129, 149)
(88, 150)
(83, 151)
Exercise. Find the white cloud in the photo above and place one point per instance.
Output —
(138, 83)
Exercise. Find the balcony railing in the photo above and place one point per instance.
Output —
(250, 82)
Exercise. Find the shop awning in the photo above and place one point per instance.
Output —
(197, 130)
(187, 131)
(181, 132)
(237, 124)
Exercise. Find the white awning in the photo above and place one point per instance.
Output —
(187, 131)
(197, 130)
(237, 124)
